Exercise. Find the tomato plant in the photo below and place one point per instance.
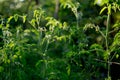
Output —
(81, 44)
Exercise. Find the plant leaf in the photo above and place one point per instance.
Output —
(103, 9)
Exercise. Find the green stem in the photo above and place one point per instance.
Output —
(77, 22)
(107, 30)
(107, 44)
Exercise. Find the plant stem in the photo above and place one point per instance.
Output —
(107, 30)
(107, 44)
(77, 22)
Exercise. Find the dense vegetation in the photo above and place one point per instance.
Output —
(59, 40)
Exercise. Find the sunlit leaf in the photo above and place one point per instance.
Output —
(24, 19)
(101, 2)
(103, 9)
(33, 22)
(16, 17)
(9, 19)
(109, 9)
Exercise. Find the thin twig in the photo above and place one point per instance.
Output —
(107, 62)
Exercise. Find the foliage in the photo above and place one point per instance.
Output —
(36, 46)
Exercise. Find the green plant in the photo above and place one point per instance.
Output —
(39, 47)
(108, 50)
